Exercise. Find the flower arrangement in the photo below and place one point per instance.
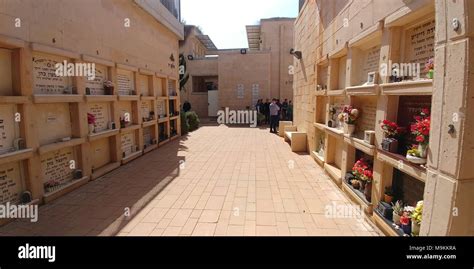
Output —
(363, 170)
(349, 115)
(391, 129)
(91, 119)
(417, 213)
(397, 211)
(421, 128)
(429, 68)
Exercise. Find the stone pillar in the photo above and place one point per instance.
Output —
(449, 192)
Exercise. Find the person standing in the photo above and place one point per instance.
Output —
(274, 116)
(284, 109)
(266, 108)
(290, 111)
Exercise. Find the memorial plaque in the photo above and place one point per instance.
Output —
(143, 85)
(6, 84)
(125, 109)
(101, 153)
(145, 108)
(96, 86)
(420, 43)
(411, 106)
(147, 136)
(11, 183)
(45, 80)
(9, 130)
(56, 165)
(371, 63)
(128, 143)
(161, 107)
(54, 122)
(367, 120)
(125, 82)
(101, 111)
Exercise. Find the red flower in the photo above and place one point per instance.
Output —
(420, 139)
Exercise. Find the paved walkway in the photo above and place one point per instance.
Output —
(217, 181)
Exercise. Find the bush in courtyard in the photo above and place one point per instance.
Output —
(193, 121)
(184, 124)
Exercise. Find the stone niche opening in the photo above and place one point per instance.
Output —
(103, 114)
(163, 132)
(11, 138)
(145, 85)
(338, 73)
(336, 104)
(322, 78)
(367, 106)
(102, 153)
(129, 145)
(362, 194)
(150, 137)
(321, 110)
(45, 79)
(407, 188)
(147, 110)
(12, 182)
(320, 146)
(161, 87)
(409, 107)
(333, 160)
(54, 122)
(60, 168)
(366, 63)
(128, 114)
(125, 82)
(162, 109)
(174, 131)
(172, 87)
(96, 86)
(173, 108)
(7, 59)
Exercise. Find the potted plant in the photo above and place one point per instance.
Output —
(429, 68)
(416, 217)
(388, 195)
(397, 211)
(421, 130)
(108, 87)
(391, 132)
(350, 116)
(91, 120)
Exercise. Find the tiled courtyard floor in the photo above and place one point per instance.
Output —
(217, 181)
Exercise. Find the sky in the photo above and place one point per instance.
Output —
(225, 20)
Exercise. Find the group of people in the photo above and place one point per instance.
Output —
(275, 111)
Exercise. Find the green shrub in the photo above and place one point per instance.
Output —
(193, 121)
(184, 124)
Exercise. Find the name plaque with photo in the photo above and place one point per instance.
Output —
(57, 165)
(145, 108)
(10, 183)
(45, 80)
(371, 63)
(367, 120)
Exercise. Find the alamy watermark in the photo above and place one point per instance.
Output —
(230, 117)
(343, 211)
(66, 69)
(412, 70)
(12, 211)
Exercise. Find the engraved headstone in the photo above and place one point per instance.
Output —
(10, 183)
(45, 80)
(56, 165)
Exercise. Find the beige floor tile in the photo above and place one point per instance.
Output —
(204, 229)
(209, 216)
(266, 219)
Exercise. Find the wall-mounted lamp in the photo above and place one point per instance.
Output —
(298, 54)
(243, 51)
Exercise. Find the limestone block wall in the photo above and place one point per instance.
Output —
(48, 147)
(342, 42)
(251, 71)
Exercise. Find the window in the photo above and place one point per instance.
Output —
(205, 84)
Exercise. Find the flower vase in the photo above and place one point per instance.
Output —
(423, 149)
(362, 185)
(349, 129)
(396, 218)
(415, 228)
(91, 128)
(430, 74)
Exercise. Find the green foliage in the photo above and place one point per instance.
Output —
(398, 208)
(184, 124)
(193, 121)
